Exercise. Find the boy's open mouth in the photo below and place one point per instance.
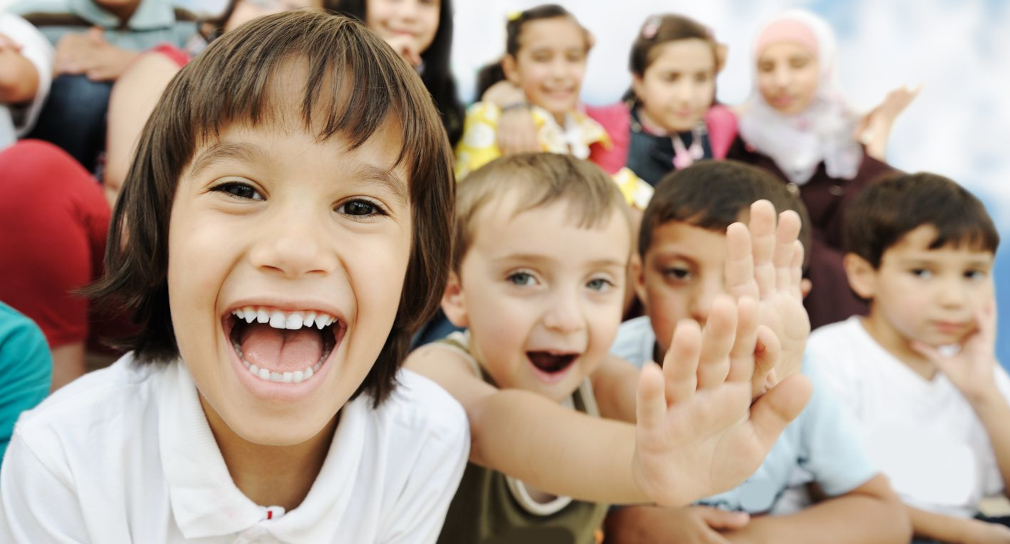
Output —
(551, 363)
(283, 347)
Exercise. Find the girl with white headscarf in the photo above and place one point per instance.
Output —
(797, 126)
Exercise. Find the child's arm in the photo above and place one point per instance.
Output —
(972, 371)
(693, 437)
(133, 99)
(941, 528)
(869, 514)
(19, 80)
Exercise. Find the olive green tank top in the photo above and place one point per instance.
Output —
(492, 508)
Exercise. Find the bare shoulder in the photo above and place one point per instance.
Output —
(450, 368)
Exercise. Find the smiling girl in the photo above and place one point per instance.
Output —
(421, 32)
(268, 228)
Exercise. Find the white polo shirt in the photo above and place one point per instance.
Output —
(126, 454)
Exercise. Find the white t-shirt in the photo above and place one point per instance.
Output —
(126, 454)
(15, 122)
(923, 435)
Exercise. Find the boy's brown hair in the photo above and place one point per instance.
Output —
(883, 213)
(355, 85)
(713, 195)
(537, 179)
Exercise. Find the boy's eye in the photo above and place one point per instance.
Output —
(239, 190)
(679, 274)
(360, 208)
(702, 77)
(921, 273)
(673, 76)
(975, 274)
(599, 284)
(520, 278)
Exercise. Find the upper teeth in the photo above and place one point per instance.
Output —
(284, 320)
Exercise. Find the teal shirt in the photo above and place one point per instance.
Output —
(155, 22)
(26, 367)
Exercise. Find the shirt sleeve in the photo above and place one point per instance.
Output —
(37, 49)
(420, 510)
(37, 500)
(479, 144)
(832, 450)
(27, 368)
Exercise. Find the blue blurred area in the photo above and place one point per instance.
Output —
(1003, 302)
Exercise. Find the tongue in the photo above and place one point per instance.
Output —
(281, 350)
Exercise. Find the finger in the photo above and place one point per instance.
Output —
(650, 407)
(722, 520)
(716, 342)
(767, 354)
(796, 269)
(740, 262)
(770, 415)
(762, 231)
(934, 356)
(96, 35)
(742, 355)
(680, 366)
(786, 236)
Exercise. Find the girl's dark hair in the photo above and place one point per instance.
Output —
(493, 73)
(661, 29)
(355, 85)
(437, 76)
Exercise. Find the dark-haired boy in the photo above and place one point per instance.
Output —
(919, 370)
(681, 266)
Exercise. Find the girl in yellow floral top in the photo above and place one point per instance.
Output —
(545, 56)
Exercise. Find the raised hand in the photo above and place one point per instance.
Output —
(698, 432)
(90, 54)
(764, 262)
(970, 366)
(406, 47)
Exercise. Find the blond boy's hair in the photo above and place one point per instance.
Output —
(535, 179)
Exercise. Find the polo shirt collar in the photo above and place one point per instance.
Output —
(205, 501)
(150, 15)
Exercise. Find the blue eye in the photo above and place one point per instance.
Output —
(975, 274)
(239, 190)
(520, 278)
(921, 273)
(360, 208)
(599, 284)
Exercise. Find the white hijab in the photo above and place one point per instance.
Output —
(821, 133)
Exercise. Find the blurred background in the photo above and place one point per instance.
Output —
(959, 50)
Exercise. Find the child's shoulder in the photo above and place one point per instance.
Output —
(419, 405)
(635, 341)
(838, 340)
(96, 399)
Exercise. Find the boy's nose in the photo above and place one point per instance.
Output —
(701, 302)
(291, 243)
(950, 293)
(564, 314)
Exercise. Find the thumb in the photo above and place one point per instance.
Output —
(96, 34)
(778, 407)
(721, 520)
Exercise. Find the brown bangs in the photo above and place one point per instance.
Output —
(304, 69)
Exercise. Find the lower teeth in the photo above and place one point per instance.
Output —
(297, 376)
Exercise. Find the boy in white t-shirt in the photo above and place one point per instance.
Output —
(26, 71)
(281, 235)
(684, 261)
(920, 371)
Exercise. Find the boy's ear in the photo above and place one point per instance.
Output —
(862, 276)
(452, 302)
(805, 287)
(636, 275)
(508, 65)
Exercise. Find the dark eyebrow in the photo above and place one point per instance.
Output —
(221, 151)
(383, 176)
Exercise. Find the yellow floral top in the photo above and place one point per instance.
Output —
(479, 146)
